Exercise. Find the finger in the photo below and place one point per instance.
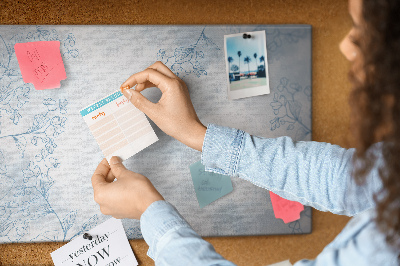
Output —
(160, 67)
(117, 167)
(110, 177)
(100, 174)
(142, 86)
(159, 80)
(140, 102)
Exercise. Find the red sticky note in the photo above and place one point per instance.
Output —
(41, 63)
(284, 209)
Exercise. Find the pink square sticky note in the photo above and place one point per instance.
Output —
(284, 209)
(41, 63)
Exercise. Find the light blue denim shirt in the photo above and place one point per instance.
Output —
(312, 173)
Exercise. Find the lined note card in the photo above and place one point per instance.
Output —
(41, 63)
(118, 126)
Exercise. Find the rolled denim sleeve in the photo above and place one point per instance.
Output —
(312, 173)
(172, 241)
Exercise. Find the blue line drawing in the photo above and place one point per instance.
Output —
(296, 225)
(134, 233)
(287, 108)
(276, 38)
(25, 194)
(188, 60)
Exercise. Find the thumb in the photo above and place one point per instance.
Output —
(117, 167)
(138, 100)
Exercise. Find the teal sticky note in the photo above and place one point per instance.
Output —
(209, 186)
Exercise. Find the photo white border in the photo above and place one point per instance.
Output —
(247, 92)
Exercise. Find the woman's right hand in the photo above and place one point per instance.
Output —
(174, 112)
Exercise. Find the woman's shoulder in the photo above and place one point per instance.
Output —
(362, 239)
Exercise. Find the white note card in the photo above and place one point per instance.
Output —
(118, 126)
(109, 247)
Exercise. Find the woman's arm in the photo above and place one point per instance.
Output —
(172, 241)
(312, 173)
(315, 174)
(125, 194)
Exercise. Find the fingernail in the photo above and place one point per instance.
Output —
(128, 94)
(115, 160)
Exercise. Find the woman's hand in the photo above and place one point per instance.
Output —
(127, 197)
(174, 112)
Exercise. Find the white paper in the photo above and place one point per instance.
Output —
(118, 126)
(282, 263)
(109, 246)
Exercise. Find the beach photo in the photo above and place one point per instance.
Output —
(246, 64)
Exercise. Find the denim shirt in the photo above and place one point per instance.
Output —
(312, 173)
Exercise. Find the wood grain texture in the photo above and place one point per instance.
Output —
(330, 22)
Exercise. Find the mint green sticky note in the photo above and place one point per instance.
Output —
(209, 186)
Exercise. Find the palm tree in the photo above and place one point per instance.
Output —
(263, 60)
(255, 57)
(239, 54)
(230, 60)
(247, 60)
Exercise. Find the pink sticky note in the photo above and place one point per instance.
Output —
(284, 209)
(41, 63)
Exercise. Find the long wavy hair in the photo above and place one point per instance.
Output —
(375, 104)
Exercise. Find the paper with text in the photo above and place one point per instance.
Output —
(118, 126)
(41, 63)
(209, 186)
(284, 209)
(108, 246)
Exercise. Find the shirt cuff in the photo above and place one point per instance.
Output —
(222, 147)
(158, 219)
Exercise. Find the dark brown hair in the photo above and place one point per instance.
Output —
(375, 103)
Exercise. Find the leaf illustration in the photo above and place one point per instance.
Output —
(69, 221)
(92, 222)
(295, 108)
(39, 121)
(22, 94)
(301, 134)
(50, 104)
(20, 141)
(290, 127)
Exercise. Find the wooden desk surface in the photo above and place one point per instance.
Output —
(330, 22)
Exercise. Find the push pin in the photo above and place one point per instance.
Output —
(87, 236)
(246, 36)
(125, 88)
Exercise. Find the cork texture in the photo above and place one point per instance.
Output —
(331, 88)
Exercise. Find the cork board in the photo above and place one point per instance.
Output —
(330, 91)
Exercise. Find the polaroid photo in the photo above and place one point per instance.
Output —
(246, 64)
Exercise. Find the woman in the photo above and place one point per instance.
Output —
(328, 173)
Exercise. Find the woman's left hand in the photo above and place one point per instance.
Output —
(127, 197)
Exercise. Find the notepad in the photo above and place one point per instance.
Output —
(284, 209)
(41, 63)
(209, 186)
(119, 128)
